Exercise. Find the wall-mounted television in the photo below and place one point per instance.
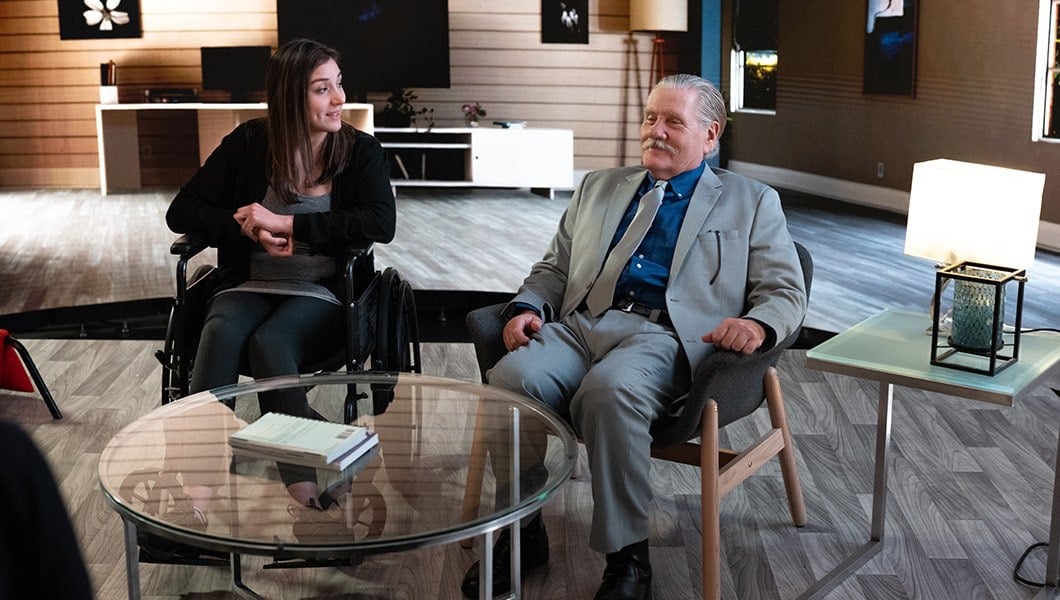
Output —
(239, 70)
(385, 44)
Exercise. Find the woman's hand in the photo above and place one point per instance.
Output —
(275, 245)
(274, 232)
(255, 216)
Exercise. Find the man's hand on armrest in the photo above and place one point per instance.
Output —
(519, 328)
(738, 335)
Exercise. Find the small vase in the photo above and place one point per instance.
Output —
(471, 121)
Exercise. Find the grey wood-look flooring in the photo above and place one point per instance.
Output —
(970, 487)
(63, 248)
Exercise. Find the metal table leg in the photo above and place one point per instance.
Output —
(1052, 565)
(879, 503)
(132, 560)
(485, 571)
(238, 586)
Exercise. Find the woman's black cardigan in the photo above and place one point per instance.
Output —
(362, 201)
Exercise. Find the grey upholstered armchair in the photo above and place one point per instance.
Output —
(726, 387)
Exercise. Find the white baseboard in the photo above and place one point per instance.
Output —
(859, 193)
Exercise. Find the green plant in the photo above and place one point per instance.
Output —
(400, 111)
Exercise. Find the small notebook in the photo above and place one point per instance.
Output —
(302, 441)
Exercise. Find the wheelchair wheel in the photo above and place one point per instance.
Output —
(182, 331)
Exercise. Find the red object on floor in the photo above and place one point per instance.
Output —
(13, 374)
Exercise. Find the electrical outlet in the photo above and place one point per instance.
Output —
(146, 152)
(879, 170)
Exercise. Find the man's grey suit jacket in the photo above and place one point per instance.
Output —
(733, 256)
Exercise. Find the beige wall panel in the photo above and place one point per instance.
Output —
(50, 178)
(59, 161)
(210, 8)
(15, 9)
(47, 146)
(497, 58)
(53, 127)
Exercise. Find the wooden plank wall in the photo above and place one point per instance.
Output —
(49, 86)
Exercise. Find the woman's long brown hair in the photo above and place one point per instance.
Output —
(286, 89)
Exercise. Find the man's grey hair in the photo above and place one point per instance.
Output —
(711, 102)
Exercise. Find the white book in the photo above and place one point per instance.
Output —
(302, 441)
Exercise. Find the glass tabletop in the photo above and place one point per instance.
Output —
(172, 472)
(895, 346)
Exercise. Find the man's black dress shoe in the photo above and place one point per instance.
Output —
(627, 575)
(533, 547)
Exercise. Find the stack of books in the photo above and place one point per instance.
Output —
(301, 441)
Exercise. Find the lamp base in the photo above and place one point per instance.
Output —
(977, 339)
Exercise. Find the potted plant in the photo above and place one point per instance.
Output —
(399, 111)
(472, 112)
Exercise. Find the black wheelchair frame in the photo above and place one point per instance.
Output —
(382, 330)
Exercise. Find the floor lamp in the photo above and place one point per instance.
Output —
(658, 16)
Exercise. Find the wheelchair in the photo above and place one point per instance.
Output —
(382, 330)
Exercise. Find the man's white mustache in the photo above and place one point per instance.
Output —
(657, 144)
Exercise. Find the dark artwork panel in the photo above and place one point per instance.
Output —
(890, 47)
(386, 45)
(565, 21)
(99, 19)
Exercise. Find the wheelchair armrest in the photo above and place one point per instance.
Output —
(188, 245)
(355, 263)
(733, 379)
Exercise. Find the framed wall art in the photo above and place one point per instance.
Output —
(890, 47)
(99, 19)
(565, 21)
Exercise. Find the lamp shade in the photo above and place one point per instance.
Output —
(658, 15)
(961, 211)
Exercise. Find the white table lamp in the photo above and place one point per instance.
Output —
(980, 223)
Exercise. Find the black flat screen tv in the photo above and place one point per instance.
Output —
(385, 44)
(236, 69)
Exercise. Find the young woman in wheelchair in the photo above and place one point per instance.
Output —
(282, 198)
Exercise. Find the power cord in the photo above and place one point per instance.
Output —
(1019, 565)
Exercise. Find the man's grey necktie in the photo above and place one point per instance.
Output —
(602, 294)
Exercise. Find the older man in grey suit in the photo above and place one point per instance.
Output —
(612, 339)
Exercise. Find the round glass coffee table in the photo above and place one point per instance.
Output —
(171, 473)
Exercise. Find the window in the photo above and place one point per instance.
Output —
(755, 80)
(753, 66)
(1046, 118)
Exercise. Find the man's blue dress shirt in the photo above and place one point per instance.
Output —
(644, 278)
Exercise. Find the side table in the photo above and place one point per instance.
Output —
(893, 348)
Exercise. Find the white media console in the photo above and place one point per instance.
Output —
(540, 159)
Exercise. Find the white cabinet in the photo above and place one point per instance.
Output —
(480, 156)
(118, 136)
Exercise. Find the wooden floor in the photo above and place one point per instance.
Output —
(970, 487)
(64, 248)
(970, 490)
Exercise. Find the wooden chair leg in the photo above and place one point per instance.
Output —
(710, 516)
(779, 418)
(475, 472)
